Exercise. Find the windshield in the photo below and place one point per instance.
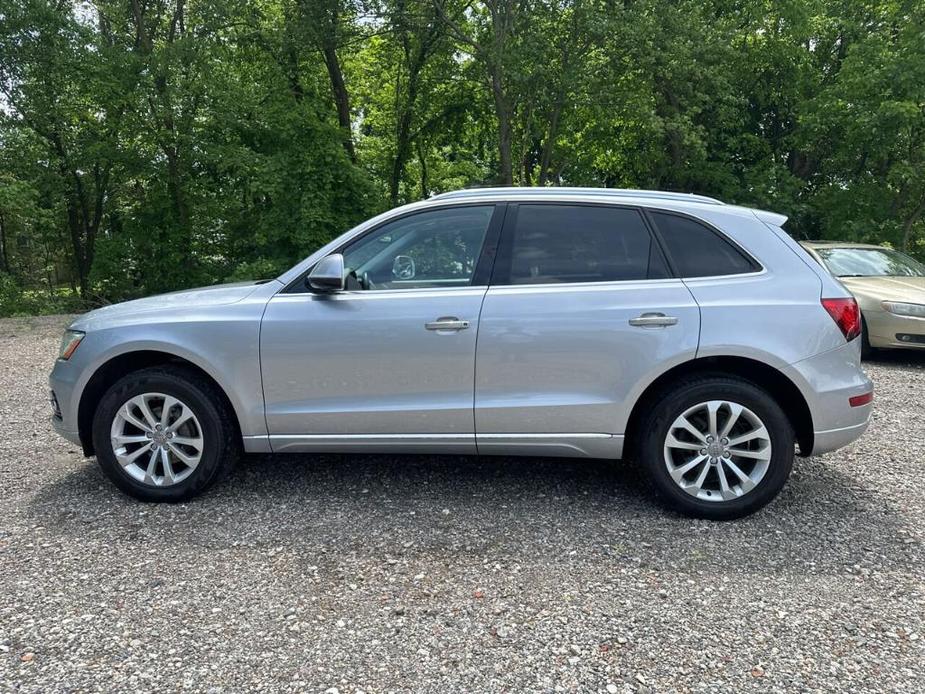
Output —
(870, 262)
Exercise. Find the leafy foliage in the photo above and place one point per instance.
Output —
(152, 145)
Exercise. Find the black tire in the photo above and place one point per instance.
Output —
(866, 350)
(221, 445)
(674, 401)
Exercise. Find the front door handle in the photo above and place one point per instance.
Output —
(447, 323)
(653, 320)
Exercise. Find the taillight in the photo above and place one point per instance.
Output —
(846, 314)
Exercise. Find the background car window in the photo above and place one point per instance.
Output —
(870, 262)
(579, 243)
(439, 248)
(698, 251)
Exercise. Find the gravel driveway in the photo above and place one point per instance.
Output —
(403, 573)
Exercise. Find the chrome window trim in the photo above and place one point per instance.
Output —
(365, 294)
(714, 278)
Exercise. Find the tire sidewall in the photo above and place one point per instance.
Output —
(676, 401)
(194, 397)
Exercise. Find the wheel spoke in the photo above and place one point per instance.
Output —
(763, 454)
(169, 402)
(674, 442)
(679, 472)
(190, 460)
(126, 459)
(734, 411)
(152, 466)
(184, 416)
(744, 480)
(683, 422)
(187, 441)
(757, 433)
(122, 439)
(712, 409)
(129, 416)
(702, 477)
(724, 489)
(141, 401)
(169, 477)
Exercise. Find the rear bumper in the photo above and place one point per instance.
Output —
(833, 439)
(827, 381)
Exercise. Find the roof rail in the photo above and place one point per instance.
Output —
(552, 190)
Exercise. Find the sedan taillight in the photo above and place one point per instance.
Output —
(846, 314)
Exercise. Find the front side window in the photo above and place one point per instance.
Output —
(698, 251)
(554, 244)
(438, 248)
(870, 262)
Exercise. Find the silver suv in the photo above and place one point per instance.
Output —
(693, 337)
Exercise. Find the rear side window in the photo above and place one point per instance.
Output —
(698, 251)
(555, 244)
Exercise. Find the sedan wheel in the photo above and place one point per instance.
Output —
(157, 439)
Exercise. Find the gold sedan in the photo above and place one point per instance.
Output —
(888, 285)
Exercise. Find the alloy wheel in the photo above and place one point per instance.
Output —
(717, 450)
(156, 439)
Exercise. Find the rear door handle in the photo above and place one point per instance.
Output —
(653, 320)
(447, 323)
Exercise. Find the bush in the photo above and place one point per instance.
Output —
(17, 301)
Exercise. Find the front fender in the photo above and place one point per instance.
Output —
(222, 341)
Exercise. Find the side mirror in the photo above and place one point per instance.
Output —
(328, 274)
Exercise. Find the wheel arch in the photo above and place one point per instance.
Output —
(776, 383)
(123, 364)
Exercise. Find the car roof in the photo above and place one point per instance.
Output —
(553, 192)
(647, 198)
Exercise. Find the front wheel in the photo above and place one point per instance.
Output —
(164, 435)
(717, 447)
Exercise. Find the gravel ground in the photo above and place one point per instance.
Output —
(374, 574)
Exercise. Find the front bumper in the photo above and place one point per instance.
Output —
(886, 329)
(61, 383)
(58, 425)
(827, 381)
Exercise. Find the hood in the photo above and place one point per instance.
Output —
(908, 289)
(189, 299)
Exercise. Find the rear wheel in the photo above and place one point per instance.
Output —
(164, 435)
(717, 447)
(866, 350)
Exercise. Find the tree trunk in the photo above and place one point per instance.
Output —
(4, 257)
(341, 97)
(422, 158)
(549, 144)
(505, 129)
(910, 222)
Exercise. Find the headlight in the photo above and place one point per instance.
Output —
(69, 343)
(902, 309)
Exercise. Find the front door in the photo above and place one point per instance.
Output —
(389, 363)
(580, 312)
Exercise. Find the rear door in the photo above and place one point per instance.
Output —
(580, 315)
